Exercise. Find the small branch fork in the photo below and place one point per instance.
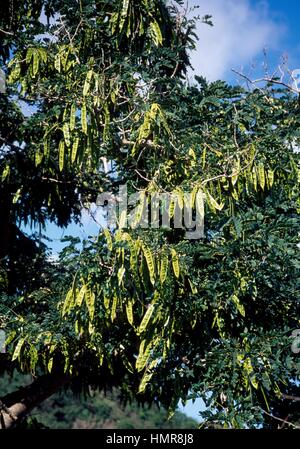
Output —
(284, 421)
(272, 80)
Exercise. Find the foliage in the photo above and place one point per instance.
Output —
(160, 316)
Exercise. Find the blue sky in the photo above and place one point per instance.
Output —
(242, 30)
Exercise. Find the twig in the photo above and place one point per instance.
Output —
(56, 180)
(249, 80)
(6, 32)
(285, 422)
(266, 80)
(280, 419)
(292, 398)
(124, 118)
(71, 38)
(141, 176)
(175, 70)
(144, 143)
(224, 175)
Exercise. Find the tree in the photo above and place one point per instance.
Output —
(160, 316)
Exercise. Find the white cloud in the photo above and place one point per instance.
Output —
(241, 31)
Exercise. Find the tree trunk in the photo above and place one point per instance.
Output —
(15, 406)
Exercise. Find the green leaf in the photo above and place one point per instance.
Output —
(106, 301)
(265, 398)
(81, 295)
(127, 364)
(72, 116)
(147, 376)
(33, 357)
(43, 54)
(124, 14)
(50, 364)
(18, 348)
(194, 289)
(90, 302)
(69, 302)
(150, 263)
(156, 33)
(36, 62)
(212, 202)
(84, 118)
(87, 82)
(270, 177)
(254, 179)
(175, 263)
(113, 313)
(254, 382)
(129, 312)
(108, 239)
(74, 150)
(46, 147)
(238, 226)
(114, 18)
(203, 158)
(163, 268)
(61, 155)
(261, 175)
(143, 356)
(17, 196)
(121, 273)
(235, 171)
(66, 131)
(171, 208)
(29, 55)
(240, 308)
(38, 158)
(235, 195)
(193, 196)
(5, 172)
(146, 319)
(145, 129)
(210, 100)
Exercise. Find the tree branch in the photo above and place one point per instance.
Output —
(280, 419)
(6, 32)
(266, 80)
(16, 148)
(292, 398)
(15, 406)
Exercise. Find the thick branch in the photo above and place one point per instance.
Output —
(15, 406)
